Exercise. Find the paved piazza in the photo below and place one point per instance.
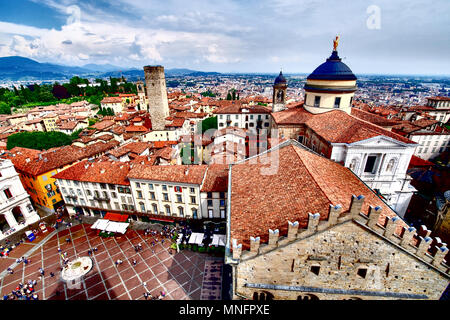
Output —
(180, 275)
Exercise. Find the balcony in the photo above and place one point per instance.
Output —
(101, 198)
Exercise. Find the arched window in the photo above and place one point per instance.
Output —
(194, 213)
(307, 297)
(262, 296)
(142, 206)
(391, 165)
(181, 211)
(167, 210)
(155, 208)
(354, 164)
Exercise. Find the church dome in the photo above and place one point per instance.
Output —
(280, 79)
(332, 69)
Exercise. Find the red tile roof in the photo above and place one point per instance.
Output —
(102, 125)
(162, 144)
(111, 100)
(54, 158)
(335, 126)
(101, 172)
(302, 183)
(136, 129)
(216, 179)
(192, 174)
(235, 107)
(373, 118)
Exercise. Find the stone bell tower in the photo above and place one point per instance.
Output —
(141, 94)
(279, 93)
(158, 105)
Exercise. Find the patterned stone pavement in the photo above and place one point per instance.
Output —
(180, 275)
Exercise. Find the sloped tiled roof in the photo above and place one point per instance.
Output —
(216, 179)
(192, 174)
(101, 172)
(301, 183)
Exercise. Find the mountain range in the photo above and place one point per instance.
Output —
(17, 68)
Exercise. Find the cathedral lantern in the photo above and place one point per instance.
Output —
(330, 86)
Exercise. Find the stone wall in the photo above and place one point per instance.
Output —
(332, 260)
(350, 256)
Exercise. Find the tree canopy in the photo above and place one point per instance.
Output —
(40, 140)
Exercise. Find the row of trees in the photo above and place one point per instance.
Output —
(232, 95)
(46, 94)
(41, 140)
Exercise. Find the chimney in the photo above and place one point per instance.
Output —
(186, 171)
(27, 160)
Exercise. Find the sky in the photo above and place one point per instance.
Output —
(261, 36)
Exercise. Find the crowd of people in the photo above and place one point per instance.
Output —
(27, 291)
(23, 292)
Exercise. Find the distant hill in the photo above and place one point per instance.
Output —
(16, 68)
(101, 67)
(20, 68)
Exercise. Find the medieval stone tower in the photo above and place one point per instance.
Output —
(141, 94)
(157, 96)
(279, 93)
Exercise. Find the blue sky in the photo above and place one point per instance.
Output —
(377, 36)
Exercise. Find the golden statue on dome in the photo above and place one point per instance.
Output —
(335, 43)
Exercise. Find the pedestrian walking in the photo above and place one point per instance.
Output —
(134, 262)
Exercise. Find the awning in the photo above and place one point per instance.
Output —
(196, 238)
(218, 240)
(162, 219)
(119, 227)
(116, 217)
(100, 224)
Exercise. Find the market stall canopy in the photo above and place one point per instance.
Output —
(100, 224)
(116, 217)
(218, 240)
(119, 227)
(196, 238)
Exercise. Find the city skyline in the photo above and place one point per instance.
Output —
(230, 37)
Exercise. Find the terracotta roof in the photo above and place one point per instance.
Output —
(335, 126)
(54, 158)
(102, 125)
(68, 125)
(101, 172)
(147, 160)
(419, 162)
(162, 144)
(216, 179)
(375, 119)
(136, 129)
(177, 122)
(423, 123)
(134, 147)
(302, 183)
(231, 130)
(111, 100)
(192, 174)
(235, 107)
(165, 153)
